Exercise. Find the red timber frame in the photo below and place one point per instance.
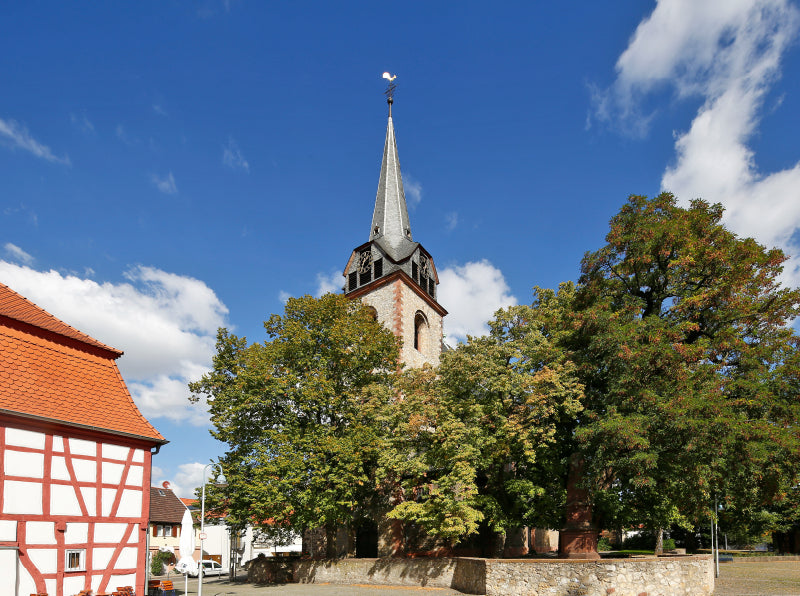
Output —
(133, 525)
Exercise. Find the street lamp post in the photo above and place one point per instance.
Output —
(219, 481)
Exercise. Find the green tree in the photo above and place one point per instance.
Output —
(689, 363)
(299, 413)
(485, 436)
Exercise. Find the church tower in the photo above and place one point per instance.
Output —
(394, 275)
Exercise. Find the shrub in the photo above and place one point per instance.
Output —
(604, 544)
(157, 562)
(669, 544)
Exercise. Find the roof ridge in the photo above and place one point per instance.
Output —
(15, 306)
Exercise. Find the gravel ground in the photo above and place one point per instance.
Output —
(752, 578)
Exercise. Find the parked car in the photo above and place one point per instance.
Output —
(210, 568)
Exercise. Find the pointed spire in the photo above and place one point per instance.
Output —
(390, 223)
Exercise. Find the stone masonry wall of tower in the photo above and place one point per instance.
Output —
(397, 306)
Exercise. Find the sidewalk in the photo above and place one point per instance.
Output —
(222, 587)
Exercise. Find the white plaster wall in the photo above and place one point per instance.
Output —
(122, 580)
(8, 530)
(22, 497)
(112, 473)
(101, 557)
(24, 438)
(135, 476)
(45, 559)
(58, 468)
(22, 463)
(40, 532)
(138, 456)
(90, 499)
(58, 444)
(131, 503)
(127, 558)
(73, 583)
(63, 500)
(109, 451)
(26, 583)
(109, 532)
(82, 447)
(85, 470)
(108, 496)
(77, 533)
(8, 572)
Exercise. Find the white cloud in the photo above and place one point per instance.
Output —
(166, 185)
(451, 221)
(184, 482)
(232, 156)
(122, 135)
(331, 282)
(728, 54)
(412, 189)
(15, 135)
(82, 123)
(284, 296)
(165, 323)
(472, 293)
(16, 253)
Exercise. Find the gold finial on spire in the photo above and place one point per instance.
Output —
(390, 87)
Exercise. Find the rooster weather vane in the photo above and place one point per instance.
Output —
(390, 87)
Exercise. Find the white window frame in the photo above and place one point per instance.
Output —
(81, 552)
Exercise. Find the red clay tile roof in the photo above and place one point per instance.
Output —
(52, 371)
(165, 506)
(17, 307)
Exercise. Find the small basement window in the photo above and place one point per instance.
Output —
(75, 560)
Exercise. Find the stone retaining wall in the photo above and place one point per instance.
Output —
(650, 576)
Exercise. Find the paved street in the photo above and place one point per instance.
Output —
(218, 587)
(763, 578)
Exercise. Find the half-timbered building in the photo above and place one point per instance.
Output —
(76, 455)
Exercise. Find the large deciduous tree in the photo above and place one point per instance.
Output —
(299, 413)
(690, 365)
(485, 436)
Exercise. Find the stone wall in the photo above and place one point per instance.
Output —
(651, 576)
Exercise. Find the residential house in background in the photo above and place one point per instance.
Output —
(76, 456)
(166, 515)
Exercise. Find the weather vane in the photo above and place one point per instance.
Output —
(389, 93)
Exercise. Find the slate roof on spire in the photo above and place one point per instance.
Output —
(391, 228)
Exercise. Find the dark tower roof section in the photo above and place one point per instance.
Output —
(391, 228)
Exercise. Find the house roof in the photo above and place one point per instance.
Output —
(165, 506)
(53, 372)
(19, 308)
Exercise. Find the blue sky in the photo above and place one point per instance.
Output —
(167, 168)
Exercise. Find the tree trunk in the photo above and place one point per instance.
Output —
(498, 545)
(659, 542)
(330, 541)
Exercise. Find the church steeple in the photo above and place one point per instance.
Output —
(390, 224)
(391, 273)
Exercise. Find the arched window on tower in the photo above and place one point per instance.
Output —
(420, 327)
(372, 312)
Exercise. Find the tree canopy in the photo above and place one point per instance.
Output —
(684, 344)
(299, 413)
(671, 369)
